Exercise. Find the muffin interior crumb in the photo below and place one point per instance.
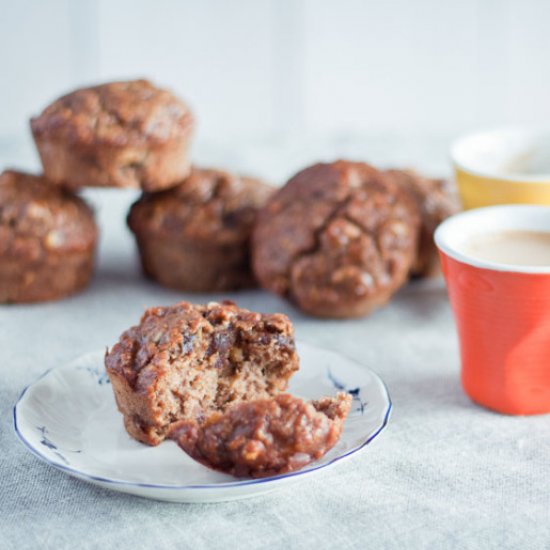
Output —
(187, 361)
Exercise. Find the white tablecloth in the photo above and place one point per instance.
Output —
(445, 473)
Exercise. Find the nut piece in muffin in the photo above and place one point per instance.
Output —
(265, 437)
(185, 361)
(436, 201)
(195, 237)
(338, 239)
(47, 240)
(120, 134)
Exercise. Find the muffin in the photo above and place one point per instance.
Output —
(195, 237)
(186, 361)
(120, 134)
(436, 201)
(47, 240)
(337, 240)
(265, 437)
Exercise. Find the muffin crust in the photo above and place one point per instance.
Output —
(265, 437)
(120, 134)
(436, 201)
(338, 239)
(195, 237)
(185, 361)
(47, 240)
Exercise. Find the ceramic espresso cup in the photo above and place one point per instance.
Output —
(508, 166)
(502, 311)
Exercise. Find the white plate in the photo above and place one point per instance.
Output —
(68, 418)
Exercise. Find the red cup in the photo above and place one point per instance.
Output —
(502, 312)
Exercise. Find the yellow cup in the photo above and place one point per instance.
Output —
(503, 167)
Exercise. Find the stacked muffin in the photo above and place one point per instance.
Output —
(122, 134)
(192, 225)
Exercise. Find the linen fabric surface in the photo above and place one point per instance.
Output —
(445, 473)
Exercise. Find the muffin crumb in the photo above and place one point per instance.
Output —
(185, 361)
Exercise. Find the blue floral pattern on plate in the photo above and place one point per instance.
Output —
(48, 443)
(98, 373)
(354, 392)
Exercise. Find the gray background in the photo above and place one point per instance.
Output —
(262, 70)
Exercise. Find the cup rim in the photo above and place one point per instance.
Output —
(526, 212)
(459, 144)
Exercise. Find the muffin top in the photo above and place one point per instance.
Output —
(37, 217)
(115, 114)
(207, 332)
(210, 205)
(334, 237)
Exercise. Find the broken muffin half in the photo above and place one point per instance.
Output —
(265, 437)
(186, 361)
